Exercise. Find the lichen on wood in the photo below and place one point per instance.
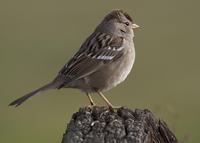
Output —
(100, 125)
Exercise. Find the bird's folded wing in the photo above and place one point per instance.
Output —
(98, 49)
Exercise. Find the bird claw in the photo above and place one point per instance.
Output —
(113, 108)
(91, 105)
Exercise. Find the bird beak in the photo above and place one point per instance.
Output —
(134, 26)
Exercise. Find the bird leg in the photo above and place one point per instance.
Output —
(90, 99)
(111, 107)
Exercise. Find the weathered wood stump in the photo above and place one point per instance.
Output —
(100, 125)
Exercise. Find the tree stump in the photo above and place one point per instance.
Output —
(100, 125)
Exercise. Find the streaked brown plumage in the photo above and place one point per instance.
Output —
(103, 61)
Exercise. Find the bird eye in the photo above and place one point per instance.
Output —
(127, 23)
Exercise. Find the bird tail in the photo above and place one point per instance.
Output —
(20, 100)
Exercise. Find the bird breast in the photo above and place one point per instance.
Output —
(123, 68)
(112, 74)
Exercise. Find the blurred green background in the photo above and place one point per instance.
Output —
(38, 37)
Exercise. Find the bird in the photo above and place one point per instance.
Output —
(102, 62)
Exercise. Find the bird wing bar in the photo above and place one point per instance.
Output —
(99, 49)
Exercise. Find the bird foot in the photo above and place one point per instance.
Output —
(91, 105)
(113, 108)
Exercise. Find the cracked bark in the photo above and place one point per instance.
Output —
(100, 125)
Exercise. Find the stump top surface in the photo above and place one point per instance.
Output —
(100, 125)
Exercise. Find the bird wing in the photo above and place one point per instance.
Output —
(99, 49)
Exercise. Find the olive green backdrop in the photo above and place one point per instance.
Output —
(37, 37)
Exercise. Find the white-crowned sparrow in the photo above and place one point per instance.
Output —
(102, 62)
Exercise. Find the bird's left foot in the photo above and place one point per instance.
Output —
(91, 105)
(113, 108)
